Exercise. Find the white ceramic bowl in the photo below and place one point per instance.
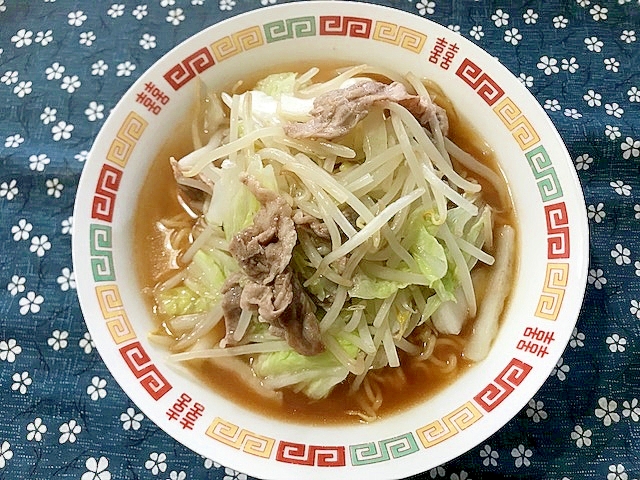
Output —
(553, 242)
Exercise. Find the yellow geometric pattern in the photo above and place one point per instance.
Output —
(555, 284)
(113, 312)
(449, 425)
(240, 439)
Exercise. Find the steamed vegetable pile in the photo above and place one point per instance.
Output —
(331, 231)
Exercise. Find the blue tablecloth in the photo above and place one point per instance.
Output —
(65, 63)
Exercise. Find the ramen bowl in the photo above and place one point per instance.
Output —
(551, 225)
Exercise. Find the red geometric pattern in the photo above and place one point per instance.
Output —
(494, 394)
(105, 195)
(312, 455)
(144, 370)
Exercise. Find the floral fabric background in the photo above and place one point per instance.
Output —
(65, 63)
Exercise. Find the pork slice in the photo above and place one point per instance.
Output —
(315, 225)
(336, 112)
(298, 324)
(263, 249)
(231, 309)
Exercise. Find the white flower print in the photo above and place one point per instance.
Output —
(148, 41)
(22, 230)
(62, 131)
(614, 109)
(86, 343)
(548, 65)
(44, 38)
(521, 456)
(116, 10)
(5, 453)
(617, 472)
(13, 141)
(95, 111)
(577, 338)
(167, 3)
(67, 226)
(584, 161)
(593, 98)
(175, 17)
(21, 382)
(140, 12)
(40, 245)
(536, 411)
(454, 28)
(526, 80)
(226, 4)
(201, 2)
(607, 411)
(437, 472)
(30, 303)
(560, 370)
(612, 132)
(16, 285)
(462, 476)
(426, 7)
(23, 88)
(630, 148)
(9, 190)
(628, 36)
(81, 156)
(58, 340)
(621, 188)
(635, 308)
(634, 94)
(70, 83)
(96, 469)
(3, 7)
(598, 12)
(637, 267)
(174, 475)
(611, 64)
(125, 69)
(131, 419)
(636, 208)
(552, 104)
(38, 162)
(512, 36)
(596, 278)
(594, 44)
(76, 19)
(96, 389)
(66, 280)
(87, 38)
(55, 71)
(48, 115)
(35, 430)
(54, 187)
(570, 65)
(156, 463)
(489, 456)
(9, 77)
(560, 22)
(69, 431)
(476, 32)
(9, 350)
(631, 409)
(572, 113)
(231, 474)
(581, 436)
(22, 38)
(500, 18)
(530, 16)
(621, 254)
(616, 343)
(99, 68)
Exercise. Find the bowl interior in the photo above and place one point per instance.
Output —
(552, 236)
